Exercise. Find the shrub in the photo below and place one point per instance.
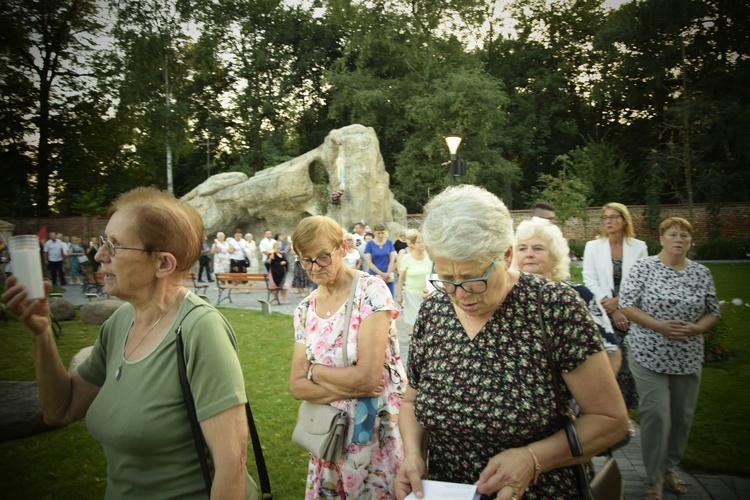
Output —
(576, 248)
(722, 249)
(715, 338)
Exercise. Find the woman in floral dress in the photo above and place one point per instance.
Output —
(480, 397)
(670, 302)
(221, 250)
(366, 470)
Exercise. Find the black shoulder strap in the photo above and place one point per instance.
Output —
(199, 440)
(565, 420)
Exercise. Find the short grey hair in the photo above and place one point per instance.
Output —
(467, 223)
(553, 239)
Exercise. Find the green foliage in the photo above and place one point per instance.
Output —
(525, 83)
(567, 193)
(598, 165)
(715, 340)
(577, 248)
(722, 249)
(652, 212)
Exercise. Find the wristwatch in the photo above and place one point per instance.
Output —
(309, 373)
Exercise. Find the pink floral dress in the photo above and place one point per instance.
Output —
(364, 471)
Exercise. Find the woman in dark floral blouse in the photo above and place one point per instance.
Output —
(480, 398)
(670, 301)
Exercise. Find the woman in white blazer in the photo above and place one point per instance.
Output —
(606, 262)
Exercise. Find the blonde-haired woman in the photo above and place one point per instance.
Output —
(414, 268)
(606, 263)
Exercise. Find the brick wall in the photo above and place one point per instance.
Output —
(84, 227)
(734, 221)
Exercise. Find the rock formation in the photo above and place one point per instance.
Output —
(278, 198)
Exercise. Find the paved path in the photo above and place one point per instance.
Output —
(629, 458)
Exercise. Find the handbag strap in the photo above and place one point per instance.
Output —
(548, 353)
(567, 423)
(347, 322)
(200, 440)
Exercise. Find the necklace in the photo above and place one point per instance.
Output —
(468, 325)
(125, 356)
(336, 298)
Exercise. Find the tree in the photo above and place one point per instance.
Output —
(547, 66)
(43, 58)
(567, 193)
(604, 172)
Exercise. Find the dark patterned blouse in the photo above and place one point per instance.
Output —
(476, 398)
(664, 294)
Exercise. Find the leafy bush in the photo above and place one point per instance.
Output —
(576, 248)
(715, 339)
(722, 249)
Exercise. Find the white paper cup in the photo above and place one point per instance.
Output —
(27, 264)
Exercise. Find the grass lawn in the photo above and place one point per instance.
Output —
(68, 463)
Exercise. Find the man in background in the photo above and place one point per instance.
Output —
(544, 211)
(266, 245)
(54, 254)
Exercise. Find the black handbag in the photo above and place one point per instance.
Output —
(200, 441)
(607, 483)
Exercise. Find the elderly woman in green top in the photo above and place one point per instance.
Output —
(128, 390)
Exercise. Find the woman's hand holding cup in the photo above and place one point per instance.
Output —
(34, 313)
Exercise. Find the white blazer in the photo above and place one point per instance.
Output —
(597, 264)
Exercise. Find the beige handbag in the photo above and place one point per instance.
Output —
(321, 428)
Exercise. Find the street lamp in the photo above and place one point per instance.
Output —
(453, 141)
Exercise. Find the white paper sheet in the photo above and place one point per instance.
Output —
(440, 490)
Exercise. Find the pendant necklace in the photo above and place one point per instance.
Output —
(328, 311)
(118, 372)
(468, 326)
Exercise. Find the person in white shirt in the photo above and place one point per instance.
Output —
(352, 259)
(66, 261)
(266, 245)
(359, 236)
(54, 255)
(251, 252)
(237, 253)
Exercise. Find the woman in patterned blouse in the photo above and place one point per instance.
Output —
(670, 301)
(480, 398)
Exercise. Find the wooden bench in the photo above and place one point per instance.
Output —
(200, 288)
(240, 281)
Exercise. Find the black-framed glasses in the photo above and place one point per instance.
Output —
(474, 286)
(605, 218)
(322, 261)
(110, 247)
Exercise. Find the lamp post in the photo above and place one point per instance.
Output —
(453, 141)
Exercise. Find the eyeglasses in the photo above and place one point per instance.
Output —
(322, 261)
(605, 218)
(110, 247)
(474, 286)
